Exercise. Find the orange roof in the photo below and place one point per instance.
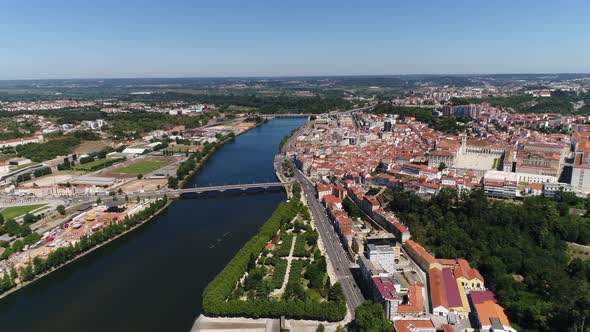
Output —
(489, 309)
(419, 250)
(415, 301)
(331, 200)
(323, 187)
(447, 261)
(537, 186)
(438, 294)
(465, 270)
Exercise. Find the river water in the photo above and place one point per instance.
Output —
(153, 278)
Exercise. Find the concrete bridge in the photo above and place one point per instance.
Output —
(264, 185)
(196, 190)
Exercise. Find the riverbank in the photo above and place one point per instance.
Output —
(44, 274)
(21, 284)
(218, 145)
(168, 262)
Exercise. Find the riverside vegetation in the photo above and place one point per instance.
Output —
(63, 255)
(308, 293)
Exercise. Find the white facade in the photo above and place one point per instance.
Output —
(384, 255)
(581, 180)
(535, 178)
(440, 311)
(21, 141)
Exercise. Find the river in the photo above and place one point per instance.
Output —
(153, 278)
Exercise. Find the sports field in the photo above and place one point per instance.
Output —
(142, 167)
(17, 211)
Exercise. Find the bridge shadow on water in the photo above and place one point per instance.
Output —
(232, 192)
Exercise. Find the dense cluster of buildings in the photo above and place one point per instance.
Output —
(413, 286)
(503, 153)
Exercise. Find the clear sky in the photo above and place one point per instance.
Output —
(183, 38)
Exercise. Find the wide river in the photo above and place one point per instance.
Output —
(153, 278)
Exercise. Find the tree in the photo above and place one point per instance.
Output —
(29, 218)
(320, 328)
(252, 262)
(336, 294)
(442, 166)
(139, 176)
(61, 209)
(172, 182)
(370, 317)
(98, 201)
(1, 219)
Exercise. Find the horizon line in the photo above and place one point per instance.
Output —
(290, 76)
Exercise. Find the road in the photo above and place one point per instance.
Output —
(336, 254)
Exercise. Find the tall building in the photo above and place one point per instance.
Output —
(384, 255)
(387, 125)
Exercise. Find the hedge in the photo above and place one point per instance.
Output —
(285, 248)
(278, 275)
(300, 249)
(217, 293)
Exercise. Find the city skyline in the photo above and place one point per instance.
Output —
(67, 40)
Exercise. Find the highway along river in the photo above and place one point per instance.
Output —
(153, 278)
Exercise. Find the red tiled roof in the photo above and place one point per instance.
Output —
(451, 289)
(478, 297)
(438, 293)
(463, 269)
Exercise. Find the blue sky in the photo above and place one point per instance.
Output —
(182, 38)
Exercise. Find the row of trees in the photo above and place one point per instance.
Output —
(96, 155)
(218, 300)
(506, 241)
(64, 254)
(12, 228)
(37, 173)
(187, 167)
(560, 102)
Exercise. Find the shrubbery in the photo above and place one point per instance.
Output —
(46, 151)
(217, 299)
(62, 255)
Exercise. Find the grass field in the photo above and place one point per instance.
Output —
(90, 146)
(142, 167)
(578, 251)
(17, 211)
(89, 166)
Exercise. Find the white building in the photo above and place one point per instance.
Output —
(384, 255)
(37, 138)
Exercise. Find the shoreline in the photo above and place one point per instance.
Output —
(39, 277)
(157, 213)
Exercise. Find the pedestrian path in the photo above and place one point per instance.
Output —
(289, 260)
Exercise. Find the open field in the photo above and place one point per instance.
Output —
(183, 148)
(90, 146)
(144, 184)
(142, 167)
(53, 178)
(578, 251)
(238, 108)
(97, 164)
(23, 166)
(17, 211)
